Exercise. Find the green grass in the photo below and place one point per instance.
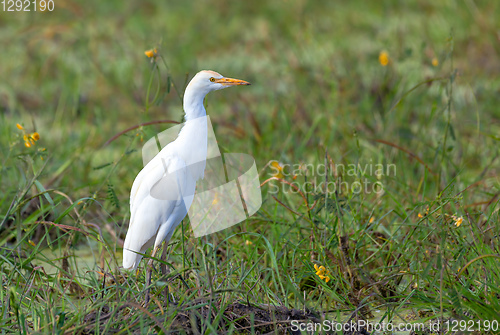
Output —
(78, 76)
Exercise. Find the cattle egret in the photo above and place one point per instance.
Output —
(153, 218)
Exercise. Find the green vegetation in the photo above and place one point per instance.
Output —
(427, 247)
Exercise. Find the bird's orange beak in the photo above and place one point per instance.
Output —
(231, 82)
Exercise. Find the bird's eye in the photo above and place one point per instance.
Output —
(212, 79)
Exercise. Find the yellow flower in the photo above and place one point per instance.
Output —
(426, 213)
(216, 199)
(30, 139)
(383, 58)
(151, 53)
(278, 169)
(435, 62)
(247, 242)
(325, 278)
(458, 220)
(322, 273)
(371, 220)
(19, 126)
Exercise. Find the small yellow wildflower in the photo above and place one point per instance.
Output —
(435, 62)
(278, 169)
(216, 199)
(322, 273)
(458, 220)
(247, 242)
(426, 213)
(29, 139)
(32, 243)
(151, 53)
(371, 219)
(383, 58)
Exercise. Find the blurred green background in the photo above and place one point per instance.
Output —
(78, 76)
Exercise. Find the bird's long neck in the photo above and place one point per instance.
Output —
(194, 110)
(193, 102)
(194, 133)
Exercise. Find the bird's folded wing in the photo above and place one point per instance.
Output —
(163, 180)
(157, 191)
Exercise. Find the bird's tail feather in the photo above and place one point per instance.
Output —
(132, 251)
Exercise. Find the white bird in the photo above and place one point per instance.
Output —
(163, 191)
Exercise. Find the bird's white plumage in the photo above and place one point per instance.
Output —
(163, 191)
(154, 216)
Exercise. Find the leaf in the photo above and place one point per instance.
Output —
(102, 166)
(44, 191)
(455, 300)
(112, 196)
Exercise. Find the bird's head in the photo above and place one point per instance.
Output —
(201, 84)
(207, 81)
